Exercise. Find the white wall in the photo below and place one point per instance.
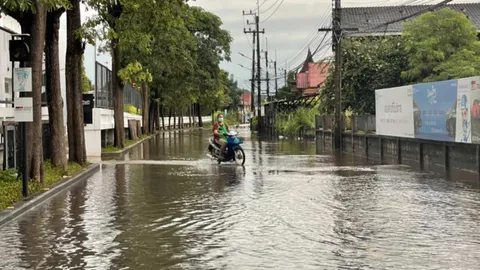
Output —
(5, 64)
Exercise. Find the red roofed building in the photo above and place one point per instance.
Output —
(312, 76)
(246, 99)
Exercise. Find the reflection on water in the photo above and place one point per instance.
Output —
(292, 206)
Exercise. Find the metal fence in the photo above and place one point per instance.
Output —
(365, 123)
(103, 87)
(132, 96)
(104, 90)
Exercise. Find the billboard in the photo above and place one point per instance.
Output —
(475, 109)
(437, 104)
(467, 88)
(441, 111)
(394, 109)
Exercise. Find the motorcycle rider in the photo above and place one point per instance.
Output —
(220, 129)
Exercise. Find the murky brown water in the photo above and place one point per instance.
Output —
(289, 208)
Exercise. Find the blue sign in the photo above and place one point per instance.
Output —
(436, 104)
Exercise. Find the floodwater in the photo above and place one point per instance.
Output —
(290, 207)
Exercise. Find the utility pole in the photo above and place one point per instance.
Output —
(256, 33)
(268, 77)
(252, 94)
(337, 43)
(257, 22)
(337, 48)
(276, 78)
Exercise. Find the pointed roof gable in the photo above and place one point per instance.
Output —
(307, 61)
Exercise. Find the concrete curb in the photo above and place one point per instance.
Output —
(31, 202)
(128, 148)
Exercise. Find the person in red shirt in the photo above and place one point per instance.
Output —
(220, 129)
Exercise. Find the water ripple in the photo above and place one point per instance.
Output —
(175, 209)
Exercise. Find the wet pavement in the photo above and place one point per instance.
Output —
(167, 206)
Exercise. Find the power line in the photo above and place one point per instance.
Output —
(386, 24)
(310, 39)
(261, 12)
(274, 11)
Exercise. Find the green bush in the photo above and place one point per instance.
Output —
(131, 109)
(11, 187)
(297, 123)
(254, 123)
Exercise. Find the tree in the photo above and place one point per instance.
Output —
(441, 45)
(369, 64)
(74, 85)
(134, 73)
(234, 92)
(31, 16)
(87, 85)
(54, 95)
(285, 93)
(213, 46)
(123, 24)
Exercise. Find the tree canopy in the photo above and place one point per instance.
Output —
(435, 46)
(441, 45)
(369, 64)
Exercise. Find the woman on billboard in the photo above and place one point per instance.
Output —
(466, 132)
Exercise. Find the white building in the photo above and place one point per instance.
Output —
(7, 26)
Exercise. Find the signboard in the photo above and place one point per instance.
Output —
(467, 88)
(395, 113)
(437, 104)
(23, 109)
(87, 108)
(22, 80)
(441, 111)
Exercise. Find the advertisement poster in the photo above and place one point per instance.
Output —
(22, 80)
(475, 110)
(394, 112)
(437, 105)
(463, 109)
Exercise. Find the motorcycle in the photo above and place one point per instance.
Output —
(233, 152)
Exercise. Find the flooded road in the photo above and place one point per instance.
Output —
(291, 207)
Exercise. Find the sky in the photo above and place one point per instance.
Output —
(290, 27)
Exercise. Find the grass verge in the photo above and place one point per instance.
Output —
(111, 148)
(11, 187)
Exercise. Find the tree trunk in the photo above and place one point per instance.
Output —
(161, 114)
(34, 134)
(132, 127)
(175, 119)
(139, 128)
(54, 94)
(200, 122)
(190, 122)
(194, 106)
(170, 119)
(180, 120)
(73, 78)
(145, 111)
(151, 116)
(119, 140)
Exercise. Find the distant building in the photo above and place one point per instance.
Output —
(311, 77)
(365, 19)
(246, 99)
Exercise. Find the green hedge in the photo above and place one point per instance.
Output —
(11, 187)
(131, 109)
